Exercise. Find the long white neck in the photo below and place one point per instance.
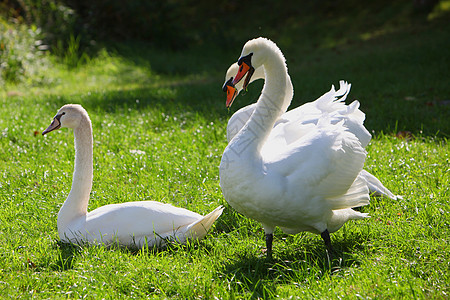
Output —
(78, 199)
(273, 102)
(289, 89)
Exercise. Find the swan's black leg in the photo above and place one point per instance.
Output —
(269, 239)
(326, 238)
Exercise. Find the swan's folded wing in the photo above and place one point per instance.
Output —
(342, 187)
(354, 121)
(330, 102)
(141, 218)
(325, 163)
(311, 150)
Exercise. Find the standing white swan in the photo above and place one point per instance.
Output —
(307, 184)
(331, 104)
(131, 224)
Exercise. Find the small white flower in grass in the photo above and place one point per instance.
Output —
(138, 152)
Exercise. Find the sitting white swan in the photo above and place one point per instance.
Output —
(307, 184)
(331, 104)
(131, 224)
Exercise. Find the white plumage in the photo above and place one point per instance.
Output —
(297, 122)
(131, 224)
(300, 176)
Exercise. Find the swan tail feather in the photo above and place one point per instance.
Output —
(352, 111)
(199, 228)
(354, 121)
(375, 185)
(333, 103)
(341, 216)
(344, 89)
(334, 100)
(356, 196)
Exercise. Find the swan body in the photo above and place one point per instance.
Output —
(132, 224)
(296, 122)
(307, 183)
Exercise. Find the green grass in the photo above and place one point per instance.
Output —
(170, 105)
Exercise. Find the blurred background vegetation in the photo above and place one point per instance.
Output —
(74, 30)
(397, 51)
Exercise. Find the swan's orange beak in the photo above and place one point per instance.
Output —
(231, 91)
(243, 69)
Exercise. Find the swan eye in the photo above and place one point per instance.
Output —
(58, 117)
(227, 84)
(245, 59)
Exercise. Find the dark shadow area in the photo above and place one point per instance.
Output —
(262, 275)
(191, 247)
(231, 220)
(68, 252)
(210, 59)
(179, 24)
(66, 258)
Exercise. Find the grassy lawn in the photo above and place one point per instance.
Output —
(170, 106)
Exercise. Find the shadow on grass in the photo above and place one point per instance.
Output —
(231, 220)
(171, 247)
(67, 253)
(261, 276)
(66, 257)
